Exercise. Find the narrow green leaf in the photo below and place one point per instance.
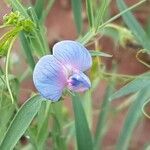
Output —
(17, 6)
(28, 51)
(39, 8)
(1, 71)
(83, 135)
(47, 10)
(110, 32)
(89, 11)
(21, 122)
(98, 53)
(87, 103)
(132, 86)
(38, 39)
(87, 37)
(102, 120)
(6, 114)
(42, 8)
(146, 147)
(56, 131)
(77, 12)
(134, 25)
(43, 132)
(90, 34)
(118, 33)
(133, 116)
(147, 28)
(7, 110)
(101, 14)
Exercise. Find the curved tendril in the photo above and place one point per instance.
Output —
(144, 111)
(140, 60)
(6, 70)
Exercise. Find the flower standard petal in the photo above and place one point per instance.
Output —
(49, 78)
(73, 54)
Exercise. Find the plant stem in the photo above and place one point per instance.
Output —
(119, 75)
(121, 13)
(144, 111)
(92, 33)
(6, 70)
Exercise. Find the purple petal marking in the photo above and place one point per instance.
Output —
(78, 82)
(49, 78)
(72, 54)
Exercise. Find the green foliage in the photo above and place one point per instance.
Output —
(39, 6)
(120, 35)
(39, 133)
(101, 13)
(51, 125)
(19, 23)
(77, 12)
(17, 6)
(103, 115)
(133, 116)
(98, 53)
(7, 109)
(134, 25)
(28, 51)
(134, 86)
(89, 10)
(21, 122)
(82, 130)
(57, 132)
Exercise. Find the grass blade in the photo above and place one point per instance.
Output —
(50, 4)
(77, 12)
(102, 120)
(83, 135)
(98, 53)
(134, 114)
(132, 87)
(16, 5)
(87, 103)
(101, 13)
(43, 132)
(89, 11)
(90, 34)
(21, 122)
(134, 25)
(38, 39)
(28, 51)
(39, 8)
(56, 130)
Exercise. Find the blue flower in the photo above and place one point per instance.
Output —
(63, 69)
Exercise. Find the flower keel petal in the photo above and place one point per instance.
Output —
(78, 82)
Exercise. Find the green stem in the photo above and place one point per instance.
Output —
(2, 80)
(1, 71)
(6, 69)
(119, 75)
(48, 8)
(25, 74)
(39, 142)
(121, 13)
(143, 109)
(90, 34)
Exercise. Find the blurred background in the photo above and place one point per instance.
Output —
(60, 25)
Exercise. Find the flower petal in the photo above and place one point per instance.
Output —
(73, 54)
(79, 82)
(49, 78)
